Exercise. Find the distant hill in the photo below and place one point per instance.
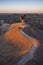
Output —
(33, 19)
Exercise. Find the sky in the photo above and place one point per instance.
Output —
(21, 6)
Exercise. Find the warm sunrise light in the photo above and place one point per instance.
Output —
(15, 37)
(21, 6)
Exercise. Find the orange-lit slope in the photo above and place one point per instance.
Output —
(17, 38)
